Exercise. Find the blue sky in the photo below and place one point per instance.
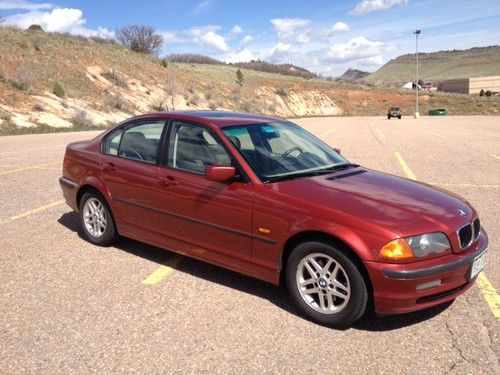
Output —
(325, 36)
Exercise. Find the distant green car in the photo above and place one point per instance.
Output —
(437, 112)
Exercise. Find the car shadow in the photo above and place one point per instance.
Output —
(275, 294)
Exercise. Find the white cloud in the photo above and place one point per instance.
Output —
(368, 6)
(340, 27)
(212, 39)
(62, 20)
(23, 4)
(241, 56)
(278, 52)
(247, 39)
(170, 37)
(355, 49)
(207, 36)
(237, 29)
(56, 20)
(286, 27)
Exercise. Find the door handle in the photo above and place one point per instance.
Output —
(167, 181)
(109, 167)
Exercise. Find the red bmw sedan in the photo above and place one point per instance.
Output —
(261, 196)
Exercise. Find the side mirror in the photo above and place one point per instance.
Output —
(218, 173)
(337, 150)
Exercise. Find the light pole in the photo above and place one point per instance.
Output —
(417, 33)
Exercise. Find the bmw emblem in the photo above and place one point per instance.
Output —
(461, 212)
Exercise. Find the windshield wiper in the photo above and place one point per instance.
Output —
(311, 173)
(339, 167)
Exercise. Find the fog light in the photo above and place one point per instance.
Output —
(429, 284)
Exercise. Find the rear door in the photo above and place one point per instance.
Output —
(130, 172)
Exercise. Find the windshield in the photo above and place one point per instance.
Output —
(281, 150)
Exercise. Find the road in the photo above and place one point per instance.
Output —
(67, 306)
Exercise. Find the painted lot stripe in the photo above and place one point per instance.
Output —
(489, 293)
(163, 272)
(377, 130)
(33, 211)
(28, 168)
(405, 167)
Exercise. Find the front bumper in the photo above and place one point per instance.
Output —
(402, 288)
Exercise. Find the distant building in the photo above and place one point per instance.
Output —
(411, 85)
(471, 85)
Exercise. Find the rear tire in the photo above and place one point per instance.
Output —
(388, 117)
(399, 117)
(96, 219)
(326, 284)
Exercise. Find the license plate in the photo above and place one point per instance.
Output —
(477, 265)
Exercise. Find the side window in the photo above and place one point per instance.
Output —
(112, 142)
(193, 148)
(140, 142)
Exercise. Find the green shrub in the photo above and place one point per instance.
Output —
(282, 92)
(239, 77)
(488, 93)
(58, 90)
(35, 27)
(481, 93)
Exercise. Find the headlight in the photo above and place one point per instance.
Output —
(428, 243)
(415, 246)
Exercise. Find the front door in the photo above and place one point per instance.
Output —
(210, 219)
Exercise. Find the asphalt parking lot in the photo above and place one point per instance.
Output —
(67, 306)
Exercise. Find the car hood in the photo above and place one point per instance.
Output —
(361, 196)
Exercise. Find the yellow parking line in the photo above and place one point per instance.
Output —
(28, 168)
(163, 271)
(405, 167)
(495, 156)
(489, 293)
(382, 135)
(35, 210)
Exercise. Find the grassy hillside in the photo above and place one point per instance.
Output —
(438, 66)
(52, 81)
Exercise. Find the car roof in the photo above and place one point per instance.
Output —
(215, 118)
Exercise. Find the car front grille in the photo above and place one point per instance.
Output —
(468, 233)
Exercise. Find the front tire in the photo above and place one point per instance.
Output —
(96, 219)
(326, 284)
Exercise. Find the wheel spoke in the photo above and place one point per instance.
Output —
(309, 269)
(327, 266)
(339, 294)
(316, 265)
(329, 301)
(322, 301)
(311, 291)
(307, 282)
